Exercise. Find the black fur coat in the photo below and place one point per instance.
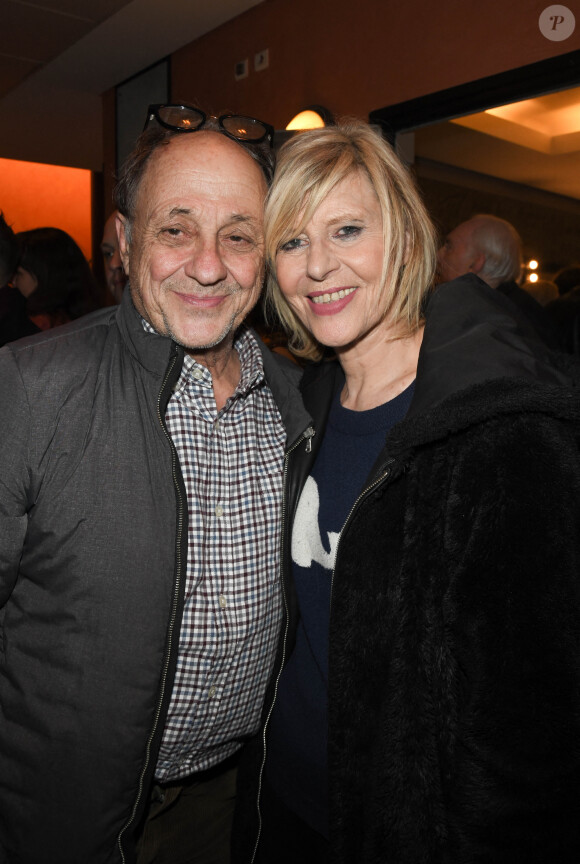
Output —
(454, 680)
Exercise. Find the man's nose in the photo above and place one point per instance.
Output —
(205, 264)
(116, 263)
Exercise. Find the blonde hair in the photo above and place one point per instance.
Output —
(309, 166)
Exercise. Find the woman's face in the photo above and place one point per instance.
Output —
(331, 273)
(26, 282)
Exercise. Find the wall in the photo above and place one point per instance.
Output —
(40, 196)
(109, 152)
(355, 57)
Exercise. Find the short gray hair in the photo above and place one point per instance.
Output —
(501, 244)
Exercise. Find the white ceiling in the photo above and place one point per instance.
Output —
(58, 56)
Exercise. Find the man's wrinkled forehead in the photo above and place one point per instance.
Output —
(205, 163)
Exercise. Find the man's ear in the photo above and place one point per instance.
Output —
(124, 237)
(477, 263)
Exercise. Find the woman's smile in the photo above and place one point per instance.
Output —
(331, 302)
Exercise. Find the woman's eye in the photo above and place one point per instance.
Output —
(349, 231)
(295, 243)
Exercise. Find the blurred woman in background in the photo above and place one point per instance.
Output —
(54, 277)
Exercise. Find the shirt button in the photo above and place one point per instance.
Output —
(211, 692)
(216, 424)
(197, 374)
(223, 602)
(219, 511)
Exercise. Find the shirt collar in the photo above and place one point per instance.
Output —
(251, 362)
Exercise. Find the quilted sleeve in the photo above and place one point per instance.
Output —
(15, 429)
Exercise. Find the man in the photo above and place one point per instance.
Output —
(140, 506)
(485, 245)
(114, 274)
(492, 249)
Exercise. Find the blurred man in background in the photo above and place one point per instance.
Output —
(114, 274)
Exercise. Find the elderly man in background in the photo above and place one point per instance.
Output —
(142, 454)
(115, 276)
(491, 248)
(485, 245)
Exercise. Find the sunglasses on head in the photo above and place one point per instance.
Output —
(184, 118)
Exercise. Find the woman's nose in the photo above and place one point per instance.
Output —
(321, 261)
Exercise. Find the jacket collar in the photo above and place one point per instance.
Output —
(153, 352)
(150, 350)
(473, 336)
(283, 378)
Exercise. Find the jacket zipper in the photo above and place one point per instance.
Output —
(169, 642)
(307, 435)
(385, 473)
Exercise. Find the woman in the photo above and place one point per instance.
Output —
(54, 277)
(429, 710)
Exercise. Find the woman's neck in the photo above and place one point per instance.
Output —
(378, 370)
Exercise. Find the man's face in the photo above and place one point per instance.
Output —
(195, 252)
(457, 255)
(114, 273)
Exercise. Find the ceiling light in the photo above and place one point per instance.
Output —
(312, 117)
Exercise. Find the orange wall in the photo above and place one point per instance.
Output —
(37, 196)
(353, 57)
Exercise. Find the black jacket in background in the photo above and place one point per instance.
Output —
(14, 321)
(532, 312)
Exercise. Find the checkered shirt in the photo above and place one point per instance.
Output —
(232, 463)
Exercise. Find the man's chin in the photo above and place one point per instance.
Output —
(204, 339)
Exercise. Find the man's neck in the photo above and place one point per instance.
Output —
(224, 365)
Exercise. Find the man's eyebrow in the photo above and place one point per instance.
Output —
(234, 219)
(240, 217)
